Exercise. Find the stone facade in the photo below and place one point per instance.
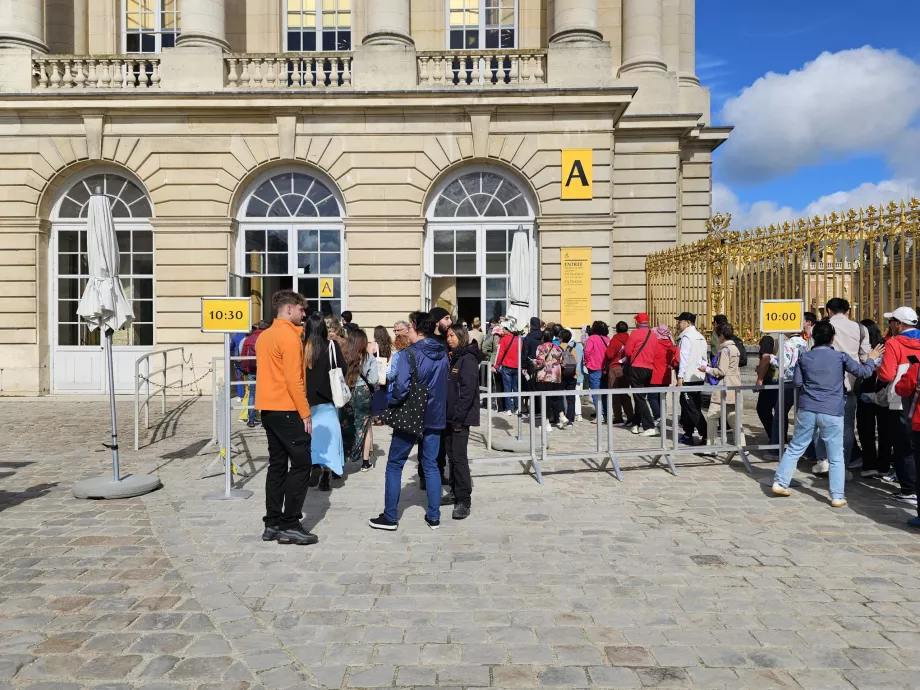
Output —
(195, 127)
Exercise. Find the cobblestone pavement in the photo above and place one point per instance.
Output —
(700, 580)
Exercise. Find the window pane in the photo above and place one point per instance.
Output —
(70, 209)
(124, 241)
(277, 263)
(444, 240)
(143, 241)
(142, 333)
(496, 264)
(68, 288)
(330, 263)
(308, 264)
(69, 334)
(495, 241)
(497, 288)
(255, 263)
(293, 46)
(466, 264)
(142, 264)
(444, 264)
(328, 208)
(277, 240)
(67, 310)
(143, 288)
(68, 264)
(308, 240)
(495, 308)
(257, 208)
(466, 240)
(309, 287)
(68, 241)
(331, 306)
(143, 310)
(330, 241)
(518, 207)
(255, 240)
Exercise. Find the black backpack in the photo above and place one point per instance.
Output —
(742, 361)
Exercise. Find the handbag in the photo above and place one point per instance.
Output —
(341, 393)
(409, 416)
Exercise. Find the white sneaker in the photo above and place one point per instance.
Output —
(821, 467)
(508, 413)
(651, 432)
(561, 425)
(890, 478)
(780, 490)
(578, 418)
(635, 430)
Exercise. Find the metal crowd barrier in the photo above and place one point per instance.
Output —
(216, 367)
(669, 448)
(144, 380)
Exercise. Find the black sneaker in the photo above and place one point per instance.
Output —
(365, 466)
(380, 522)
(297, 535)
(251, 425)
(461, 511)
(270, 533)
(449, 499)
(433, 524)
(324, 482)
(315, 473)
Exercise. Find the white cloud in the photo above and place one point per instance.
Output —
(851, 102)
(763, 213)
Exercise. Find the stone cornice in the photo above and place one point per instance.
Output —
(196, 224)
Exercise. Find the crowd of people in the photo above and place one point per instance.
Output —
(321, 385)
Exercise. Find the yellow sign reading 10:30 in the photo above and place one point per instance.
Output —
(782, 315)
(226, 314)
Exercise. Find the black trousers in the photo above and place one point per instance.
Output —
(642, 378)
(498, 387)
(461, 483)
(766, 403)
(877, 450)
(691, 410)
(289, 465)
(553, 405)
(570, 385)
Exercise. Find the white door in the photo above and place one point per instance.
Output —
(78, 360)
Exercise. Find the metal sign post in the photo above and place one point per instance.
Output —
(226, 315)
(782, 316)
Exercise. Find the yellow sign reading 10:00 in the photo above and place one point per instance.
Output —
(226, 314)
(782, 315)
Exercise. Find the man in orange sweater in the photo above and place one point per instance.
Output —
(281, 395)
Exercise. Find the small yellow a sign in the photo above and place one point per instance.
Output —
(326, 288)
(577, 173)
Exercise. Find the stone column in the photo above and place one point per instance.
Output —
(204, 25)
(388, 23)
(687, 28)
(22, 25)
(576, 20)
(643, 30)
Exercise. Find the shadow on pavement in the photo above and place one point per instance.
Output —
(8, 499)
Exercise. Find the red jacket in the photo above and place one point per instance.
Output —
(616, 350)
(664, 362)
(511, 358)
(907, 388)
(642, 357)
(897, 350)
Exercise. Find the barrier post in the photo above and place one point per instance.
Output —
(723, 410)
(147, 398)
(137, 409)
(675, 434)
(489, 403)
(163, 400)
(519, 400)
(780, 398)
(610, 452)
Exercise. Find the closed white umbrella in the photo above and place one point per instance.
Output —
(519, 278)
(104, 306)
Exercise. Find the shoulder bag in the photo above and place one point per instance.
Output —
(341, 394)
(409, 416)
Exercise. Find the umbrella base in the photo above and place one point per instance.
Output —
(105, 487)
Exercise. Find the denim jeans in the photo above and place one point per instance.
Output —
(251, 401)
(830, 429)
(782, 416)
(510, 384)
(904, 465)
(849, 431)
(595, 381)
(400, 447)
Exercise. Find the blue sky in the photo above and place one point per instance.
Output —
(836, 124)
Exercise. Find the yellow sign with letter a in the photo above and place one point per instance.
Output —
(226, 314)
(577, 174)
(782, 315)
(326, 288)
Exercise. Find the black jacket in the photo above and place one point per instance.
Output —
(463, 387)
(532, 341)
(319, 390)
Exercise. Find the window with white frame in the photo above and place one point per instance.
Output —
(482, 24)
(150, 25)
(318, 25)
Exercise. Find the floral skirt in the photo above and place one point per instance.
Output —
(356, 420)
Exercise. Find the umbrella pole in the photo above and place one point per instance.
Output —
(116, 470)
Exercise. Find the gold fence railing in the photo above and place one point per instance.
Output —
(868, 257)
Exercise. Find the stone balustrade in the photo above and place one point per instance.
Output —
(97, 72)
(482, 68)
(289, 71)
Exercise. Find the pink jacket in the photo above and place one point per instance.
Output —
(594, 352)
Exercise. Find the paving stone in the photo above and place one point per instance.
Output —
(629, 656)
(159, 666)
(398, 654)
(605, 677)
(110, 666)
(664, 677)
(674, 656)
(820, 680)
(202, 667)
(209, 645)
(508, 676)
(437, 654)
(408, 676)
(11, 664)
(714, 678)
(531, 654)
(161, 643)
(563, 677)
(373, 677)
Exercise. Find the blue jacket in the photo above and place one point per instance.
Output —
(433, 369)
(819, 377)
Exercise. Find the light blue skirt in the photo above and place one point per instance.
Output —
(327, 438)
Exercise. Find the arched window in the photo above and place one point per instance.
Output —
(292, 195)
(291, 230)
(126, 198)
(481, 195)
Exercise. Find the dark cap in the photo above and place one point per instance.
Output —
(438, 313)
(535, 324)
(687, 316)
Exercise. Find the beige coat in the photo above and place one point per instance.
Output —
(727, 370)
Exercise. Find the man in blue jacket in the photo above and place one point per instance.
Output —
(433, 368)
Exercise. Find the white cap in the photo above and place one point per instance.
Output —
(904, 315)
(506, 325)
